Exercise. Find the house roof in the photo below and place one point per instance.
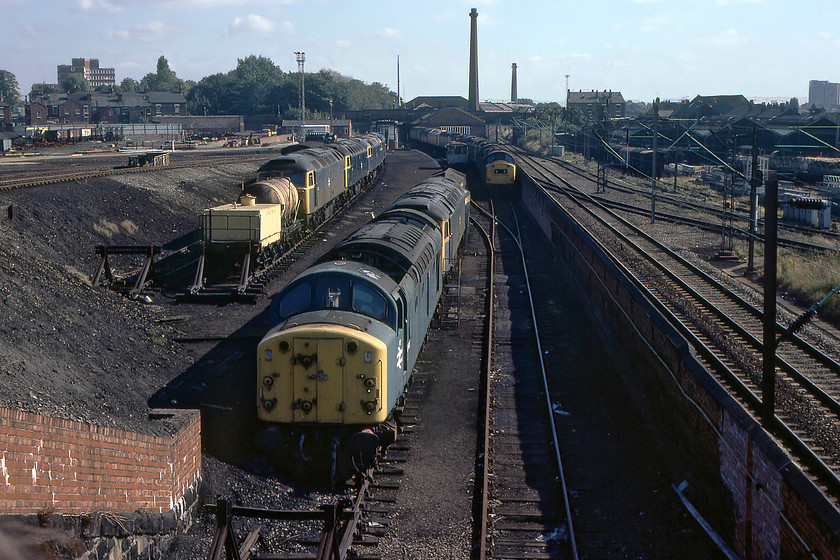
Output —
(449, 116)
(96, 99)
(595, 96)
(165, 97)
(503, 107)
(438, 101)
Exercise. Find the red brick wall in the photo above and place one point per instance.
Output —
(69, 467)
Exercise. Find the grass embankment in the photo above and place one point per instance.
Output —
(807, 279)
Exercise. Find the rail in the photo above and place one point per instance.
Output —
(796, 435)
(340, 519)
(516, 237)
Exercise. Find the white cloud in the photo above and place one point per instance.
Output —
(122, 35)
(99, 5)
(730, 2)
(252, 23)
(389, 32)
(728, 38)
(211, 4)
(654, 24)
(152, 31)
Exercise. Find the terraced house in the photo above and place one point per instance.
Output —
(103, 108)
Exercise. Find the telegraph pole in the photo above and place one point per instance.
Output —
(653, 171)
(768, 381)
(755, 181)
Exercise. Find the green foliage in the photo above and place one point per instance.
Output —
(74, 83)
(258, 86)
(129, 85)
(163, 80)
(808, 281)
(635, 108)
(9, 88)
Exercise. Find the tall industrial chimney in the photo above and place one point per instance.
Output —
(473, 93)
(513, 96)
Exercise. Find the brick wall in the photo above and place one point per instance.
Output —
(63, 466)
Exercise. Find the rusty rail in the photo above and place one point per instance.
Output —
(341, 520)
(481, 549)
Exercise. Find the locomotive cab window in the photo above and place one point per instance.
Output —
(332, 292)
(297, 178)
(296, 300)
(369, 302)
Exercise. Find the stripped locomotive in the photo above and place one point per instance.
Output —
(293, 193)
(346, 333)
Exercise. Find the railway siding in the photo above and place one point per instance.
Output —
(773, 507)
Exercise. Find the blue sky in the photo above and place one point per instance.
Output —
(670, 49)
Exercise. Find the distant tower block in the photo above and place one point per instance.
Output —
(473, 94)
(513, 96)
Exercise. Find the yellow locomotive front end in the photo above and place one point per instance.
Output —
(322, 374)
(500, 172)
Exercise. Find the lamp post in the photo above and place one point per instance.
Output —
(300, 56)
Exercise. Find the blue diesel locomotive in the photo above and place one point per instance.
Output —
(293, 193)
(493, 161)
(347, 332)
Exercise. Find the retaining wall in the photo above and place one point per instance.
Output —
(742, 482)
(63, 466)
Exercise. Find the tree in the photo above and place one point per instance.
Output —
(253, 79)
(129, 85)
(257, 85)
(164, 80)
(213, 95)
(74, 83)
(9, 88)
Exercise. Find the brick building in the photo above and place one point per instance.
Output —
(454, 119)
(591, 103)
(89, 69)
(103, 108)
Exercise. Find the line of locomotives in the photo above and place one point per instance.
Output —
(292, 194)
(333, 368)
(494, 163)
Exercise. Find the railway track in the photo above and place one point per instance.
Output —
(328, 533)
(34, 180)
(685, 210)
(525, 509)
(725, 326)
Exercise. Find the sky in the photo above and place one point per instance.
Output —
(671, 49)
